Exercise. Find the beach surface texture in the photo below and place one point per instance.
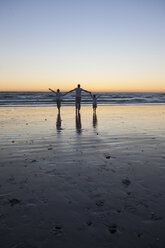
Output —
(87, 180)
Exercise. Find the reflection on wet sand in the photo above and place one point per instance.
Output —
(58, 122)
(99, 185)
(94, 119)
(78, 123)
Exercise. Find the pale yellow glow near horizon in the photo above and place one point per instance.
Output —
(95, 79)
(96, 85)
(103, 74)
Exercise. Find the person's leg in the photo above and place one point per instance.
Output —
(94, 107)
(78, 100)
(76, 103)
(79, 103)
(58, 104)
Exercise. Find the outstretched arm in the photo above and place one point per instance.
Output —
(65, 94)
(87, 91)
(52, 91)
(68, 92)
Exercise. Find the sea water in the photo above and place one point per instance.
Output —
(105, 98)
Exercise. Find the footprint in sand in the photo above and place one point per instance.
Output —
(112, 228)
(14, 201)
(126, 182)
(57, 230)
(100, 203)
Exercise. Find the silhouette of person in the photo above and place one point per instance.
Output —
(78, 91)
(94, 98)
(58, 122)
(78, 123)
(59, 96)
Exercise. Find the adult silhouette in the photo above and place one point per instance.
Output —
(78, 91)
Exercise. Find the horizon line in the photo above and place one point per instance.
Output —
(91, 91)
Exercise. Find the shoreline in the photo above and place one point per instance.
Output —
(85, 105)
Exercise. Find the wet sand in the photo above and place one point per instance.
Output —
(82, 181)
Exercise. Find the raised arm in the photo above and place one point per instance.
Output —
(97, 96)
(53, 91)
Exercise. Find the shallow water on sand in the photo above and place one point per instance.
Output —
(91, 180)
(44, 124)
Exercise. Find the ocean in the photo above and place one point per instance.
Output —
(106, 98)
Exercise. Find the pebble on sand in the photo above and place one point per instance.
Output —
(108, 157)
(89, 223)
(139, 235)
(34, 160)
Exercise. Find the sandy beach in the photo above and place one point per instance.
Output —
(82, 181)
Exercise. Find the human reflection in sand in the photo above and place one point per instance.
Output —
(94, 119)
(78, 123)
(58, 122)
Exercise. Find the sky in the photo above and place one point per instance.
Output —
(105, 45)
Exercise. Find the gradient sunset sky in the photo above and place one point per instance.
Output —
(105, 45)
